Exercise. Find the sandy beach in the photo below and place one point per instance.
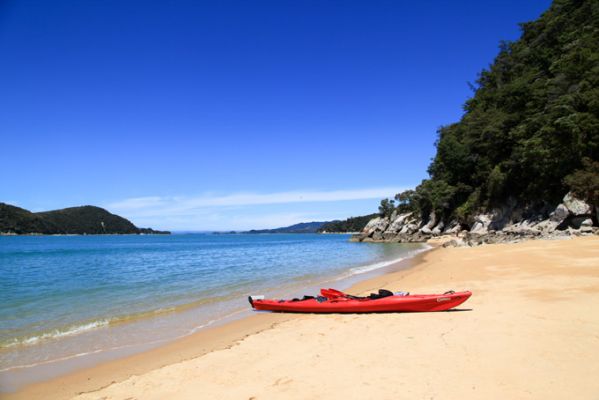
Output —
(530, 331)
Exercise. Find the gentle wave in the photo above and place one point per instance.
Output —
(371, 267)
(168, 310)
(57, 333)
(73, 330)
(114, 348)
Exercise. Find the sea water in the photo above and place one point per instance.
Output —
(65, 298)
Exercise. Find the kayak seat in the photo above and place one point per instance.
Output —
(303, 298)
(381, 294)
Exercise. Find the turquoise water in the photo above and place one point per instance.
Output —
(66, 296)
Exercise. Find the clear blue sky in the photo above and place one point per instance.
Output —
(234, 114)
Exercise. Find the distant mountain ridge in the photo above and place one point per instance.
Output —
(352, 224)
(303, 227)
(74, 220)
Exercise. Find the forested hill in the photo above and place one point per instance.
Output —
(303, 227)
(74, 220)
(352, 224)
(530, 133)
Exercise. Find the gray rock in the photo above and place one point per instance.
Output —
(409, 229)
(481, 224)
(439, 228)
(357, 238)
(377, 235)
(432, 220)
(378, 224)
(475, 239)
(398, 223)
(574, 232)
(455, 243)
(586, 226)
(587, 222)
(576, 206)
(507, 223)
(392, 237)
(577, 222)
(547, 226)
(453, 227)
(426, 230)
(500, 217)
(420, 237)
(559, 214)
(527, 227)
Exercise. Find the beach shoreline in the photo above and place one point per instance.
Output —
(174, 287)
(526, 302)
(210, 338)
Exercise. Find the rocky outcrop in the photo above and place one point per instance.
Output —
(508, 223)
(376, 227)
(576, 206)
(398, 223)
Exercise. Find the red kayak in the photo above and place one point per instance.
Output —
(334, 301)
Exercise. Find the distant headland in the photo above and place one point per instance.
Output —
(84, 220)
(349, 225)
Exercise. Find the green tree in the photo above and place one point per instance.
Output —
(584, 183)
(386, 208)
(532, 120)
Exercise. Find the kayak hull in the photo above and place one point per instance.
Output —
(410, 303)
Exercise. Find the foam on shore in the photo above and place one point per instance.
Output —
(383, 264)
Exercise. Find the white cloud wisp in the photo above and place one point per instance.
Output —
(188, 212)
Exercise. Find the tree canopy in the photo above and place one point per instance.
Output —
(352, 224)
(533, 119)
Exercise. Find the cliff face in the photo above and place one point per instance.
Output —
(508, 223)
(74, 220)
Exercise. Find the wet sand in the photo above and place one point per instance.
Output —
(530, 330)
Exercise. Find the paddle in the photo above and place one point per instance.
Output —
(332, 293)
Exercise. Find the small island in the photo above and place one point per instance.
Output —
(84, 220)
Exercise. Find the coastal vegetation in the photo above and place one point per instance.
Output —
(74, 220)
(352, 224)
(530, 133)
(584, 182)
(303, 227)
